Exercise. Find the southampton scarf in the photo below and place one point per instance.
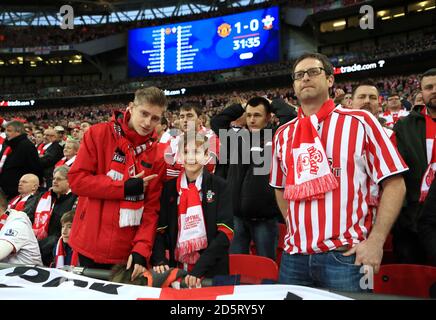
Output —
(123, 166)
(5, 154)
(65, 162)
(430, 136)
(43, 213)
(309, 175)
(59, 261)
(192, 235)
(18, 203)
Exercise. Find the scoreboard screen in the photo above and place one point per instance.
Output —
(230, 41)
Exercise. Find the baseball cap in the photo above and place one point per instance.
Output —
(59, 128)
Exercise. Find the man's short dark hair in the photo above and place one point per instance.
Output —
(256, 101)
(164, 121)
(192, 106)
(393, 94)
(368, 83)
(429, 73)
(327, 65)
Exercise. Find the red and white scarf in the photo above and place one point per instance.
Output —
(122, 167)
(59, 260)
(43, 213)
(430, 136)
(5, 155)
(392, 117)
(66, 162)
(42, 148)
(3, 218)
(18, 203)
(2, 140)
(191, 236)
(309, 174)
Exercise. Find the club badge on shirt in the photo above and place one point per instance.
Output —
(210, 196)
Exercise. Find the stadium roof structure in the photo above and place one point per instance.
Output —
(46, 12)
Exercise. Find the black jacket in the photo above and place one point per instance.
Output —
(51, 156)
(410, 141)
(63, 204)
(253, 197)
(214, 260)
(22, 160)
(427, 225)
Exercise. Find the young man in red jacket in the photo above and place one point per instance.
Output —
(118, 177)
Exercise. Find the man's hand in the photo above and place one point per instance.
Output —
(369, 252)
(339, 92)
(146, 179)
(161, 268)
(192, 282)
(137, 269)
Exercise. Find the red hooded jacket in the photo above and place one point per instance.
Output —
(95, 231)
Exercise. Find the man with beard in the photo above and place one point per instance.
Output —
(366, 97)
(415, 136)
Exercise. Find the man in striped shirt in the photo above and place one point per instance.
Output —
(322, 167)
(189, 122)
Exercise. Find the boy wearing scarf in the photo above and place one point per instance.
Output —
(323, 164)
(415, 138)
(117, 175)
(196, 217)
(64, 255)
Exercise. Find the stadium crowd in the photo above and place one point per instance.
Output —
(98, 184)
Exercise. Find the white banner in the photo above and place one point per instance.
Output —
(34, 283)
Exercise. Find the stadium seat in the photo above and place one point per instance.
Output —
(253, 266)
(406, 280)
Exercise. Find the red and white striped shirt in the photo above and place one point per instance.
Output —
(392, 117)
(358, 151)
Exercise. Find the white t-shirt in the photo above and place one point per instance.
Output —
(18, 232)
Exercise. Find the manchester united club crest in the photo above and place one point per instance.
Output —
(224, 30)
(210, 196)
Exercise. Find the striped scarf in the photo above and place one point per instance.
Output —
(65, 162)
(309, 176)
(5, 155)
(123, 166)
(18, 203)
(42, 148)
(430, 136)
(43, 213)
(59, 260)
(192, 235)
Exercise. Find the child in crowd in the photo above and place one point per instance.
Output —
(196, 218)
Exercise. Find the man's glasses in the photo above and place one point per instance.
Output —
(312, 72)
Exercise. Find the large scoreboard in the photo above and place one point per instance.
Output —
(230, 41)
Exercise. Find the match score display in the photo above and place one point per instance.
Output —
(230, 41)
